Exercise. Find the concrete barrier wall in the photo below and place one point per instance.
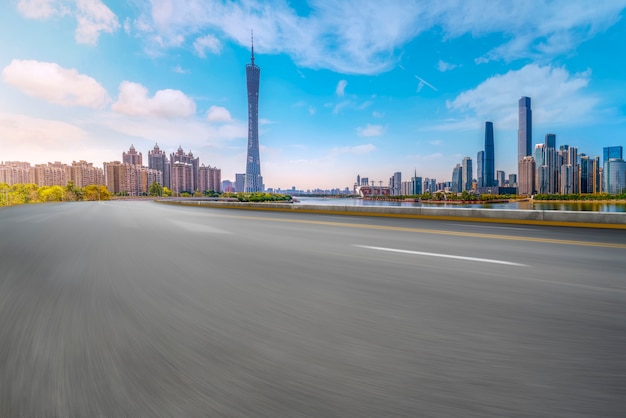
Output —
(549, 217)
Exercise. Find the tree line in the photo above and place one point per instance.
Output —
(23, 193)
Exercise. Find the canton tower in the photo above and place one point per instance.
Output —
(254, 180)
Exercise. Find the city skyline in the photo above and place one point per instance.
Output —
(403, 88)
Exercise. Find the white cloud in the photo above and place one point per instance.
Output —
(558, 97)
(218, 114)
(39, 9)
(312, 110)
(43, 134)
(534, 28)
(341, 87)
(93, 17)
(207, 43)
(445, 66)
(134, 101)
(339, 106)
(179, 70)
(361, 37)
(378, 115)
(370, 130)
(51, 82)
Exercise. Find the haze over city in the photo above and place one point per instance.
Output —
(345, 89)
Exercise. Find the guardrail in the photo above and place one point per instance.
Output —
(588, 219)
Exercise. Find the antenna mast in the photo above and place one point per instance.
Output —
(252, 42)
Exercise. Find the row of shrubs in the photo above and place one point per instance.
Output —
(19, 194)
(576, 196)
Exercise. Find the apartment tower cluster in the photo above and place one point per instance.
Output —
(180, 172)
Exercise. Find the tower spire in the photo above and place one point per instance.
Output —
(252, 42)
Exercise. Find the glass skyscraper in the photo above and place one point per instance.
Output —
(612, 152)
(254, 181)
(489, 170)
(524, 132)
(480, 168)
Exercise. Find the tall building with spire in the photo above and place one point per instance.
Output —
(254, 180)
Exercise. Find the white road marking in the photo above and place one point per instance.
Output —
(193, 227)
(456, 257)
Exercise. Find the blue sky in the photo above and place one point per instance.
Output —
(347, 87)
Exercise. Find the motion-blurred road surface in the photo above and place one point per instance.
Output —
(132, 309)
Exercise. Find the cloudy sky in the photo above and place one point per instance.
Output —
(347, 87)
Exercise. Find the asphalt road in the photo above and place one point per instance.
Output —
(131, 309)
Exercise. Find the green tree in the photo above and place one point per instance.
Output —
(23, 193)
(94, 192)
(51, 193)
(155, 189)
(4, 194)
(72, 192)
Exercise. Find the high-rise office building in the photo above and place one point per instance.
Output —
(467, 174)
(395, 184)
(254, 180)
(524, 132)
(480, 168)
(489, 177)
(542, 178)
(240, 182)
(457, 182)
(608, 154)
(157, 160)
(550, 160)
(612, 152)
(512, 179)
(587, 174)
(614, 176)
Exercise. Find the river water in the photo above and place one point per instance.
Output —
(571, 206)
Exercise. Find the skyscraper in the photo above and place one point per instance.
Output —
(480, 169)
(489, 170)
(254, 181)
(612, 152)
(456, 183)
(526, 176)
(550, 160)
(524, 132)
(466, 174)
